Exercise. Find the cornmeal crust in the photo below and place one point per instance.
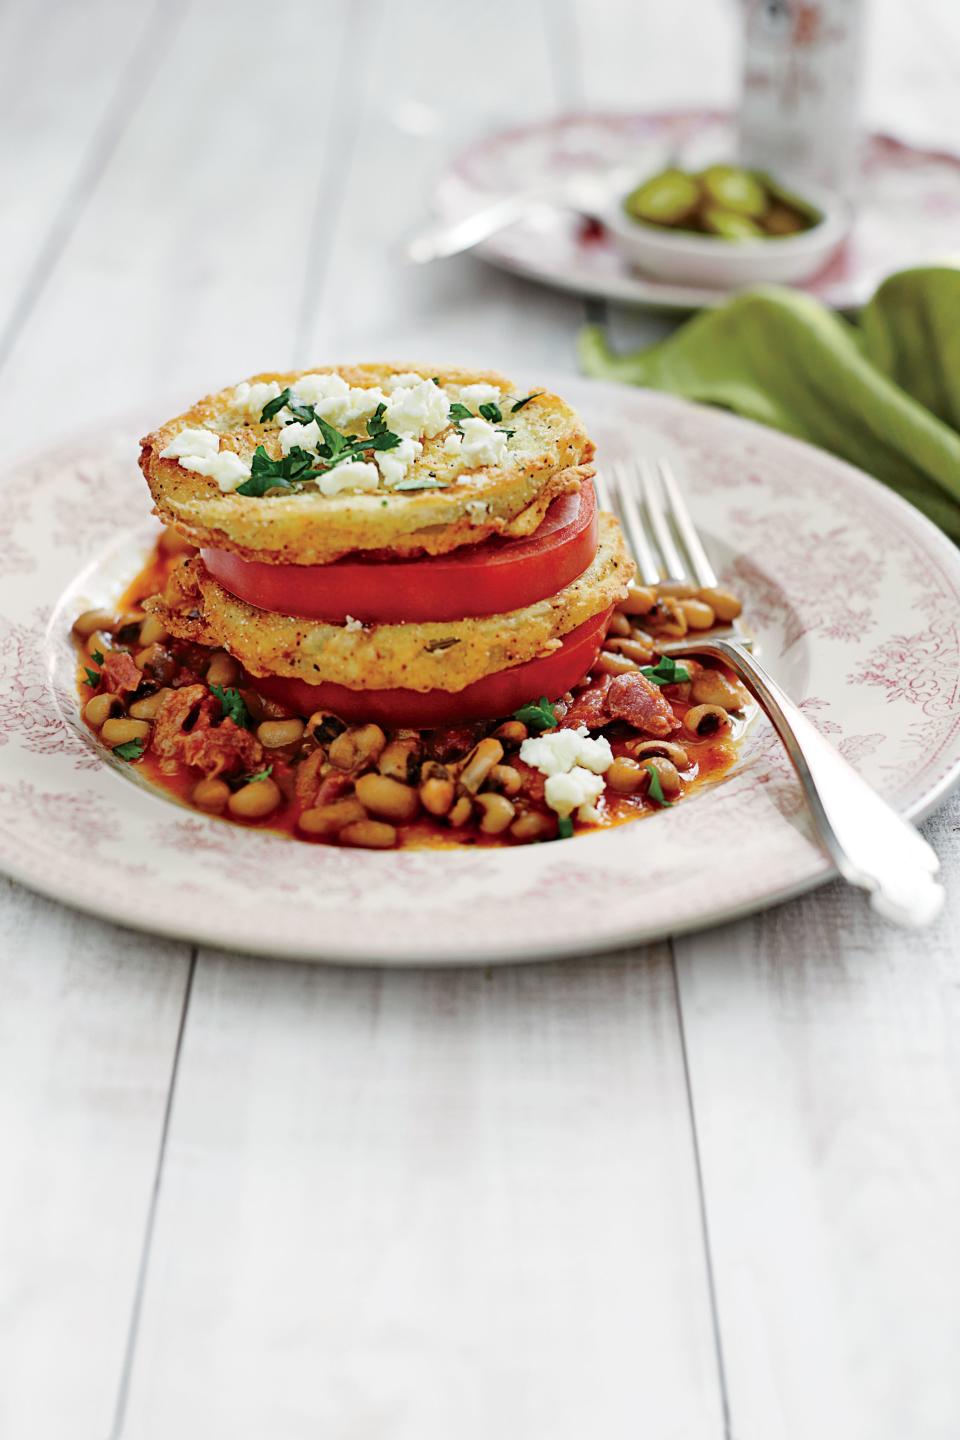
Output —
(549, 454)
(436, 656)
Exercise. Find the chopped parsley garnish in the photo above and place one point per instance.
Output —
(666, 672)
(459, 412)
(418, 484)
(509, 433)
(565, 827)
(655, 789)
(130, 750)
(525, 401)
(290, 471)
(491, 412)
(539, 716)
(273, 406)
(233, 706)
(93, 676)
(283, 474)
(260, 775)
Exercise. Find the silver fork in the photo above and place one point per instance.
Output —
(865, 838)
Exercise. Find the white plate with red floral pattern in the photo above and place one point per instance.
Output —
(907, 204)
(854, 598)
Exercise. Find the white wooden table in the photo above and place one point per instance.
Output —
(683, 1192)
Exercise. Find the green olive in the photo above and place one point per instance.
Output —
(734, 189)
(666, 199)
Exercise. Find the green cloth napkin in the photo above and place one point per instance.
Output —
(883, 393)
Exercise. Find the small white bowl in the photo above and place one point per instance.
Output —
(728, 264)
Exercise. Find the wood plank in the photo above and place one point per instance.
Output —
(61, 110)
(368, 301)
(187, 267)
(826, 1087)
(88, 1024)
(440, 1203)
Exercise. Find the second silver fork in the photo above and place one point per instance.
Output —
(871, 846)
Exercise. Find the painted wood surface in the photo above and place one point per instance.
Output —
(685, 1192)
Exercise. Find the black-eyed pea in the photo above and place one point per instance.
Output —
(99, 643)
(667, 749)
(479, 763)
(506, 779)
(100, 709)
(152, 632)
(670, 782)
(359, 746)
(436, 794)
(634, 650)
(640, 600)
(369, 835)
(330, 819)
(122, 731)
(399, 758)
(461, 812)
(619, 625)
(389, 799)
(625, 776)
(712, 687)
(496, 813)
(699, 615)
(223, 670)
(511, 733)
(706, 720)
(610, 664)
(532, 826)
(275, 734)
(146, 709)
(211, 795)
(255, 801)
(675, 590)
(724, 603)
(91, 620)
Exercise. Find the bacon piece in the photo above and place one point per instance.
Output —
(589, 707)
(220, 749)
(119, 673)
(333, 787)
(175, 711)
(642, 704)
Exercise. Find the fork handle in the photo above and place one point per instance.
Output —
(867, 840)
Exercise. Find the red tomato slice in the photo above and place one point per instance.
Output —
(485, 579)
(491, 698)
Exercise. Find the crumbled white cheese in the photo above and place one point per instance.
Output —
(199, 450)
(402, 381)
(420, 410)
(352, 625)
(482, 443)
(191, 442)
(479, 394)
(249, 399)
(395, 464)
(306, 436)
(453, 444)
(310, 389)
(337, 402)
(560, 750)
(576, 789)
(351, 475)
(227, 469)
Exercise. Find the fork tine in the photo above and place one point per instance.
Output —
(703, 571)
(633, 524)
(653, 498)
(602, 491)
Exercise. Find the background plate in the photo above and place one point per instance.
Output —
(853, 595)
(908, 204)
